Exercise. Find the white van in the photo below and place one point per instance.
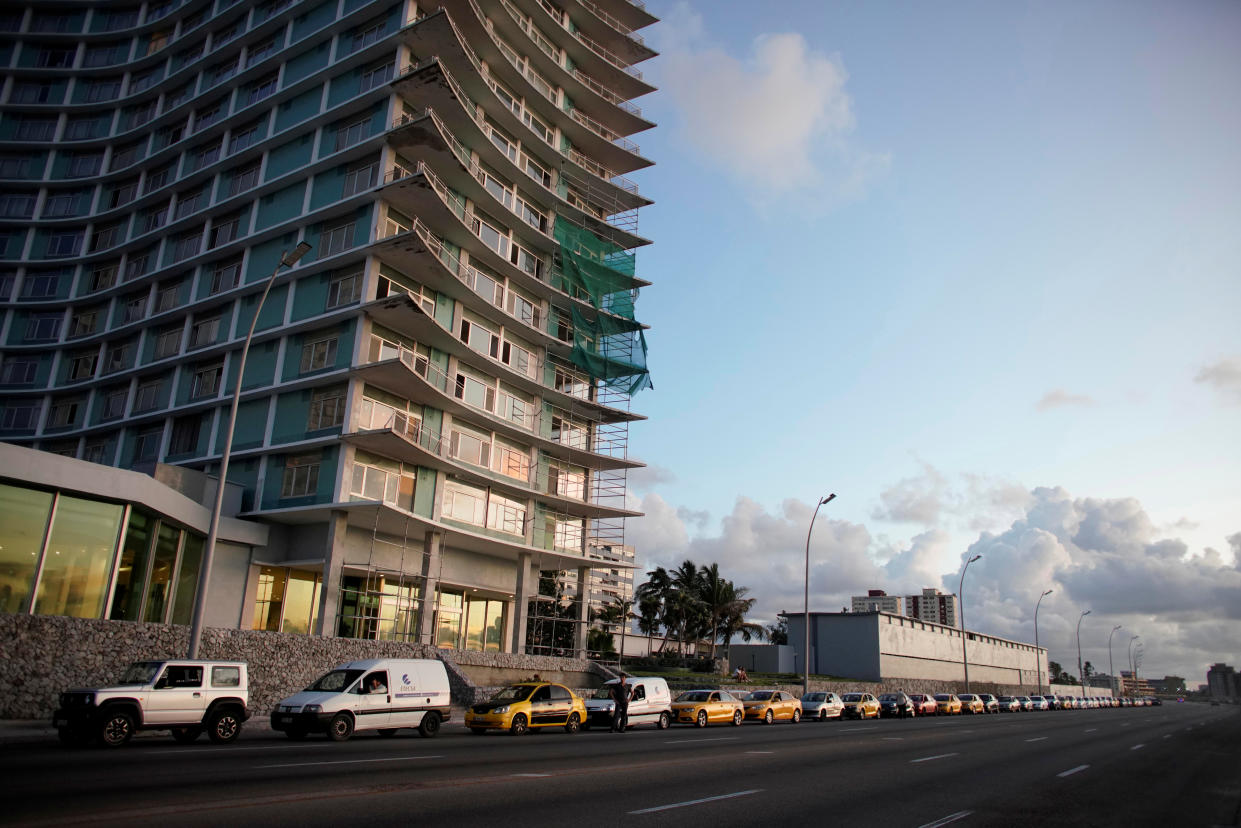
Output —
(380, 694)
(651, 703)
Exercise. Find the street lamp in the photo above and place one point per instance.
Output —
(805, 679)
(204, 572)
(1111, 676)
(1080, 676)
(1038, 662)
(1132, 678)
(961, 600)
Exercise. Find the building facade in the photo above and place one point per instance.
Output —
(934, 606)
(1223, 682)
(435, 408)
(876, 600)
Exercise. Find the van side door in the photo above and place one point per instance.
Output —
(372, 710)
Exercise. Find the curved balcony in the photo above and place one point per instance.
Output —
(427, 137)
(413, 442)
(412, 376)
(402, 314)
(612, 31)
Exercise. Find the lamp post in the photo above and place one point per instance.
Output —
(1111, 675)
(961, 600)
(204, 572)
(1132, 678)
(805, 678)
(1038, 661)
(1080, 676)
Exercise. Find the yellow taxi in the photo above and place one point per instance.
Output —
(769, 705)
(971, 703)
(860, 706)
(947, 704)
(519, 707)
(701, 707)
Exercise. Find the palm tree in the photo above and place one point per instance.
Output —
(684, 604)
(649, 611)
(653, 602)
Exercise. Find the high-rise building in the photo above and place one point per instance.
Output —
(933, 605)
(1222, 682)
(876, 600)
(435, 409)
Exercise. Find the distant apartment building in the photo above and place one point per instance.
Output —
(1135, 686)
(934, 606)
(876, 600)
(1223, 681)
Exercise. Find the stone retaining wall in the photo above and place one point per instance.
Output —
(42, 655)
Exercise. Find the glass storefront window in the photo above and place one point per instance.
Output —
(187, 578)
(301, 601)
(474, 622)
(269, 604)
(78, 564)
(160, 585)
(448, 620)
(132, 573)
(494, 634)
(23, 521)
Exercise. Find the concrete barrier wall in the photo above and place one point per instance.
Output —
(41, 656)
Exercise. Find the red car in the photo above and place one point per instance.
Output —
(924, 705)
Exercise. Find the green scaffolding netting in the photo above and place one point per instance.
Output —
(601, 270)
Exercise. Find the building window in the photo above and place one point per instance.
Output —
(138, 264)
(337, 239)
(480, 339)
(327, 408)
(359, 178)
(168, 343)
(41, 285)
(226, 275)
(158, 179)
(167, 297)
(20, 416)
(206, 382)
(244, 137)
(147, 396)
(187, 245)
(262, 89)
(301, 476)
(344, 290)
(19, 370)
(17, 205)
(64, 413)
(371, 483)
(318, 355)
(367, 34)
(465, 503)
(146, 444)
(114, 404)
(506, 515)
(225, 231)
(35, 129)
(244, 178)
(135, 308)
(83, 366)
(205, 156)
(471, 448)
(84, 323)
(205, 332)
(346, 136)
(43, 327)
(185, 431)
(375, 76)
(64, 243)
(192, 201)
(107, 236)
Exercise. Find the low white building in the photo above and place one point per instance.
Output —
(876, 600)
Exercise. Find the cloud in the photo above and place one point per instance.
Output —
(1224, 376)
(914, 499)
(930, 499)
(1101, 554)
(1059, 398)
(780, 120)
(646, 478)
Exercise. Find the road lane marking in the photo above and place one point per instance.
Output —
(348, 762)
(761, 752)
(944, 821)
(228, 749)
(1137, 747)
(929, 758)
(857, 729)
(1037, 739)
(1091, 729)
(1167, 735)
(894, 738)
(696, 801)
(716, 739)
(1072, 771)
(533, 775)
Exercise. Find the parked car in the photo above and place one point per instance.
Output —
(650, 703)
(860, 706)
(702, 707)
(926, 705)
(821, 706)
(970, 703)
(897, 705)
(768, 705)
(529, 704)
(1052, 702)
(1009, 704)
(380, 694)
(185, 697)
(1067, 702)
(1038, 703)
(948, 704)
(1025, 703)
(989, 702)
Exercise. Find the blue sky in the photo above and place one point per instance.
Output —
(963, 264)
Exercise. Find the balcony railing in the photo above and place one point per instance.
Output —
(613, 22)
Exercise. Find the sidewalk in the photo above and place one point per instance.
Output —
(40, 731)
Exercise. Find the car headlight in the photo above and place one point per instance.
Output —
(312, 708)
(503, 709)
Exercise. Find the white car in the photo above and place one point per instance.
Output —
(821, 706)
(651, 703)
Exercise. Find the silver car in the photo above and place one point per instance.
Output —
(821, 706)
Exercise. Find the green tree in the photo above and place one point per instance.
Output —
(778, 633)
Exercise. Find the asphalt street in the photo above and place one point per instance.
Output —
(1177, 765)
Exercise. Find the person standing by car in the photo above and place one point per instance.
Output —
(620, 704)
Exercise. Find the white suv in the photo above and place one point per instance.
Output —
(184, 696)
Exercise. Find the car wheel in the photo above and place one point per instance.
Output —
(769, 717)
(665, 721)
(796, 716)
(429, 727)
(340, 728)
(737, 718)
(823, 715)
(574, 724)
(701, 720)
(116, 729)
(519, 725)
(387, 732)
(224, 726)
(296, 734)
(71, 737)
(186, 735)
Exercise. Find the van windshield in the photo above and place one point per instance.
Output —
(141, 672)
(336, 681)
(604, 692)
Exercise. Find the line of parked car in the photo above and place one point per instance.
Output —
(192, 697)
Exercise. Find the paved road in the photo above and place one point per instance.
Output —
(1176, 765)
